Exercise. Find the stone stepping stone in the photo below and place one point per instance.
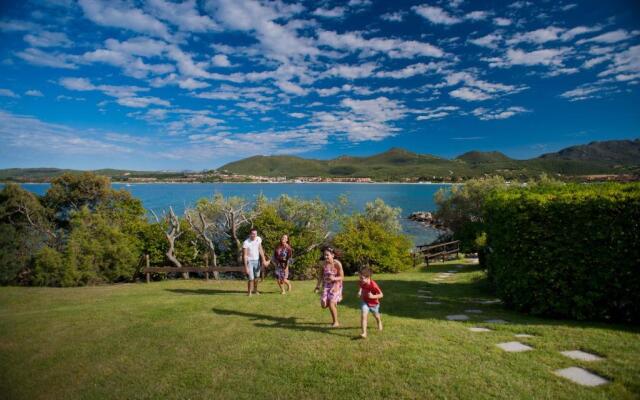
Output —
(458, 317)
(479, 329)
(514, 347)
(452, 272)
(424, 291)
(432, 303)
(496, 321)
(581, 355)
(523, 335)
(581, 376)
(473, 311)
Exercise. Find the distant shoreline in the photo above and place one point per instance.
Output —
(266, 183)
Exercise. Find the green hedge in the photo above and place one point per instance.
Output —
(568, 252)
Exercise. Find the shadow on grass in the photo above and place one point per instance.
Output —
(293, 323)
(210, 292)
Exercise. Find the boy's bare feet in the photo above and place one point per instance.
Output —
(335, 325)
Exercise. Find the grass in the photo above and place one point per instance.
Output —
(193, 339)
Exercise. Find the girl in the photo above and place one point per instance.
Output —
(282, 255)
(331, 277)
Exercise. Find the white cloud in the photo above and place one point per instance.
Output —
(537, 36)
(184, 15)
(499, 113)
(17, 26)
(365, 120)
(435, 113)
(410, 70)
(8, 93)
(546, 57)
(436, 15)
(502, 21)
(625, 65)
(54, 60)
(393, 16)
(278, 41)
(477, 15)
(297, 115)
(292, 88)
(609, 37)
(335, 12)
(34, 93)
(125, 95)
(352, 71)
(220, 60)
(469, 94)
(394, 48)
(491, 40)
(26, 133)
(578, 30)
(119, 14)
(48, 39)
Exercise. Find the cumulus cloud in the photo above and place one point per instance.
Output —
(436, 15)
(34, 93)
(485, 114)
(25, 133)
(335, 12)
(48, 39)
(394, 48)
(221, 60)
(119, 14)
(8, 93)
(502, 21)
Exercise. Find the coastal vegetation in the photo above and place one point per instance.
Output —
(552, 248)
(83, 232)
(615, 159)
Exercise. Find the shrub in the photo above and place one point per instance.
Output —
(51, 269)
(99, 251)
(367, 243)
(569, 251)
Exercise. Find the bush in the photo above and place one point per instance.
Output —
(99, 251)
(570, 251)
(367, 243)
(51, 269)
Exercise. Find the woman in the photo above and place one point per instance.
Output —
(331, 277)
(282, 255)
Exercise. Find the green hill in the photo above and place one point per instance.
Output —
(620, 156)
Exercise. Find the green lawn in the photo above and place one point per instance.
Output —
(193, 339)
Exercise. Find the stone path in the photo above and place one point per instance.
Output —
(581, 376)
(514, 347)
(577, 375)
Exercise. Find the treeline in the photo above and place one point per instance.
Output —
(83, 232)
(564, 250)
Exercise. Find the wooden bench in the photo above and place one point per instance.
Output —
(207, 271)
(440, 250)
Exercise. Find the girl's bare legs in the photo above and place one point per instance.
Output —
(363, 323)
(378, 320)
(333, 307)
(286, 282)
(280, 286)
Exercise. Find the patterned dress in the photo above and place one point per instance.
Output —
(332, 291)
(282, 256)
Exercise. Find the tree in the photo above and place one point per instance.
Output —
(367, 243)
(70, 192)
(387, 216)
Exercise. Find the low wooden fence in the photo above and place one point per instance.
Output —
(437, 251)
(207, 271)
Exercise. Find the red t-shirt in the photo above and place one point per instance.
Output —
(373, 288)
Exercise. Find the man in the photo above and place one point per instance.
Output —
(252, 254)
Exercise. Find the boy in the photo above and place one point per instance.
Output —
(370, 294)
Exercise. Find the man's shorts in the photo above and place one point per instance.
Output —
(254, 269)
(366, 308)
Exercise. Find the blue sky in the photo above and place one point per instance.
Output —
(194, 84)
